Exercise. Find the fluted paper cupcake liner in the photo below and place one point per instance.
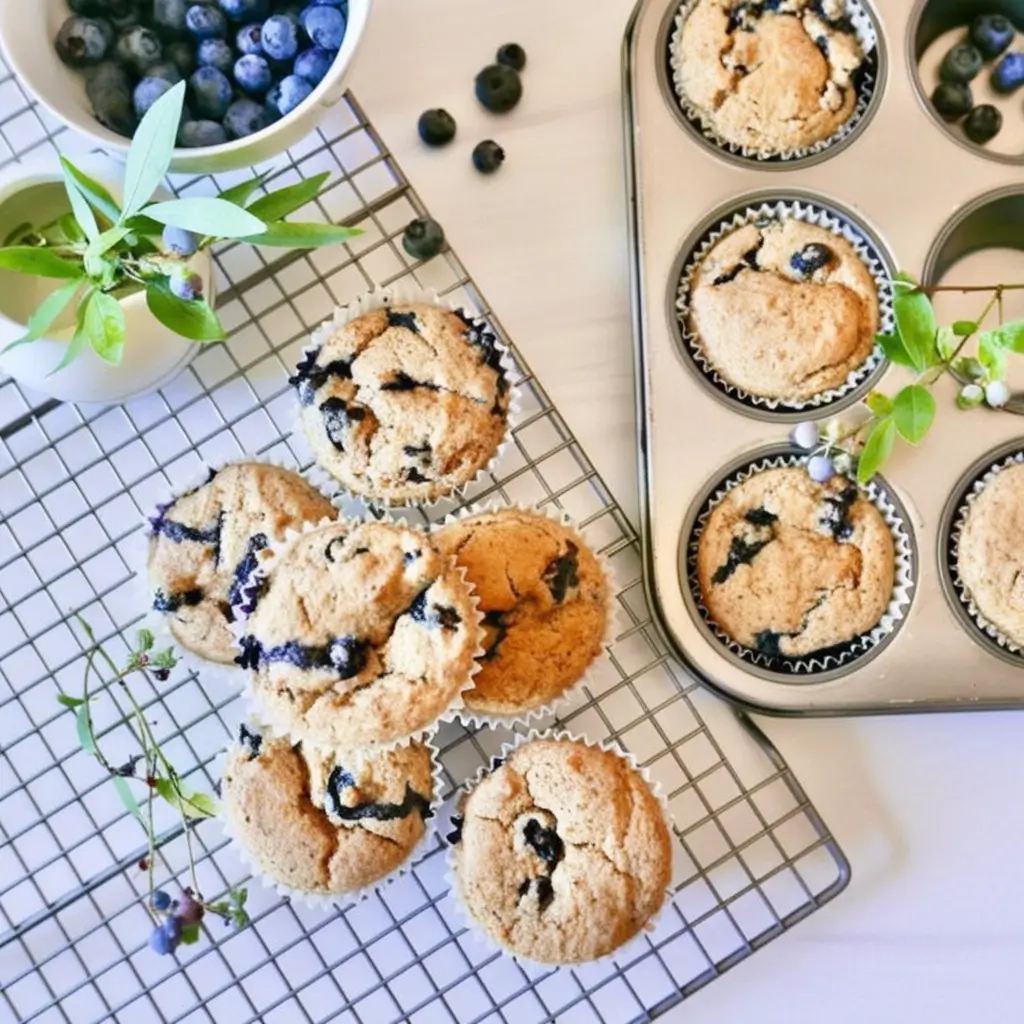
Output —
(866, 82)
(808, 213)
(405, 293)
(243, 608)
(841, 655)
(953, 551)
(611, 628)
(328, 901)
(157, 622)
(626, 950)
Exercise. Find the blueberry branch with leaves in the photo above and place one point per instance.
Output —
(177, 920)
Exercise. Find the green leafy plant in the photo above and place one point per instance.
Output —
(151, 774)
(102, 251)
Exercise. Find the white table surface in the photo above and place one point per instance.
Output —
(928, 808)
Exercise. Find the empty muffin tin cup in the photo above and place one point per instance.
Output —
(954, 519)
(829, 663)
(869, 82)
(932, 18)
(762, 208)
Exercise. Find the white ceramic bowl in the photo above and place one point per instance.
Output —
(27, 31)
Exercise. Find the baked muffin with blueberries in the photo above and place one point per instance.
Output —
(404, 403)
(990, 555)
(322, 823)
(203, 545)
(545, 602)
(788, 566)
(562, 853)
(774, 76)
(360, 634)
(784, 309)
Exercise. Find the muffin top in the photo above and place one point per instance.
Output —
(767, 75)
(360, 634)
(990, 557)
(203, 545)
(545, 603)
(788, 566)
(784, 309)
(317, 822)
(562, 853)
(404, 404)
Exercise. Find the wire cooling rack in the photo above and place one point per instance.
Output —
(752, 857)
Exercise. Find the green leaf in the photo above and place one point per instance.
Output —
(47, 312)
(193, 320)
(277, 205)
(142, 225)
(79, 205)
(892, 347)
(879, 404)
(1010, 335)
(164, 658)
(17, 233)
(945, 343)
(964, 328)
(302, 236)
(915, 318)
(74, 349)
(70, 228)
(143, 640)
(104, 326)
(913, 412)
(192, 805)
(190, 934)
(97, 195)
(105, 242)
(240, 193)
(70, 702)
(992, 355)
(83, 723)
(970, 368)
(151, 150)
(240, 896)
(27, 259)
(124, 791)
(877, 448)
(206, 216)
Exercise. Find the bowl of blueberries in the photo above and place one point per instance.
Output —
(261, 73)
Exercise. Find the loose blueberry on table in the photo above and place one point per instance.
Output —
(436, 127)
(488, 156)
(499, 88)
(423, 238)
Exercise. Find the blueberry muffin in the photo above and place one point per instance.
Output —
(321, 823)
(545, 602)
(562, 853)
(788, 566)
(360, 635)
(203, 545)
(404, 404)
(769, 75)
(990, 556)
(784, 310)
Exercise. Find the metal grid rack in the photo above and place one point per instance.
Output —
(753, 856)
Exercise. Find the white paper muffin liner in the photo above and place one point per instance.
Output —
(809, 213)
(400, 294)
(626, 950)
(157, 622)
(953, 552)
(329, 901)
(866, 82)
(841, 655)
(612, 625)
(280, 729)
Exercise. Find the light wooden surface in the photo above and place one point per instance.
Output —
(929, 808)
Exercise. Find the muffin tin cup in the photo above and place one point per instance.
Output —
(316, 900)
(404, 293)
(158, 624)
(868, 84)
(835, 660)
(751, 211)
(612, 626)
(631, 947)
(280, 730)
(973, 484)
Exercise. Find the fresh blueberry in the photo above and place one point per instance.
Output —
(252, 73)
(820, 469)
(314, 63)
(138, 49)
(423, 238)
(982, 124)
(280, 40)
(169, 17)
(250, 39)
(294, 90)
(147, 92)
(805, 435)
(961, 64)
(272, 103)
(165, 69)
(215, 53)
(211, 93)
(488, 156)
(197, 134)
(436, 127)
(183, 54)
(206, 22)
(110, 92)
(991, 34)
(512, 55)
(186, 286)
(161, 941)
(499, 88)
(82, 41)
(325, 26)
(161, 900)
(178, 240)
(1008, 74)
(810, 258)
(952, 100)
(244, 118)
(245, 10)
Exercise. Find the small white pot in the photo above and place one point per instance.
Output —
(153, 354)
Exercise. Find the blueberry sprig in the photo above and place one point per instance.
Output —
(176, 921)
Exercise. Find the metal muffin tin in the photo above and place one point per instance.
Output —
(926, 201)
